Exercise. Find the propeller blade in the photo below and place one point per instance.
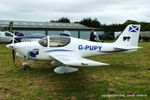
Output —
(13, 54)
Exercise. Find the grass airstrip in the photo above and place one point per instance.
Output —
(127, 77)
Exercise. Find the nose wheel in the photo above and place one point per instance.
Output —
(26, 65)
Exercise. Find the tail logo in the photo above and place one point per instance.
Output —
(133, 28)
(126, 38)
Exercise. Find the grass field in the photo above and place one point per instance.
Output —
(128, 75)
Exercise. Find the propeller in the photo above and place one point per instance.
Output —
(13, 55)
(13, 49)
(12, 46)
(13, 41)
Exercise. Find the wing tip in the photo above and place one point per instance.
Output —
(106, 64)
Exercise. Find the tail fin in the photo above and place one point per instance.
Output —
(129, 37)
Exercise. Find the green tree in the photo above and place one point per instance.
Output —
(62, 20)
(95, 23)
(90, 22)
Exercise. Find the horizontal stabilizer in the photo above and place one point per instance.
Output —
(127, 47)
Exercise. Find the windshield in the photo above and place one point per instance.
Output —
(37, 35)
(43, 42)
(8, 34)
(58, 41)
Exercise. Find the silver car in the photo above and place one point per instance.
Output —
(6, 37)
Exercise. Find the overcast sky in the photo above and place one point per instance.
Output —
(106, 11)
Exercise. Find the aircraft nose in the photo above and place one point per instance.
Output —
(12, 46)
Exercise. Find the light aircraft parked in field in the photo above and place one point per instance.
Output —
(66, 51)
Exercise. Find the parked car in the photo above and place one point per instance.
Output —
(144, 35)
(6, 37)
(106, 36)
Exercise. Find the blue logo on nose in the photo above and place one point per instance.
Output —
(33, 53)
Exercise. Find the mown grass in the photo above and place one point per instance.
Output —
(127, 74)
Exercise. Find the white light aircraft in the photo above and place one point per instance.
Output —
(69, 51)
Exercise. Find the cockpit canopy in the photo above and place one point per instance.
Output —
(54, 41)
(43, 42)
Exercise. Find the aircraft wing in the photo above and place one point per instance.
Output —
(74, 60)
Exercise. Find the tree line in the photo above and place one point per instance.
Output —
(107, 28)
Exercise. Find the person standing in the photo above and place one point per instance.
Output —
(93, 36)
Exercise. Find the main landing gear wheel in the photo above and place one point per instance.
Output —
(26, 68)
(65, 69)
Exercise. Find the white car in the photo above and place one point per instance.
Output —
(6, 37)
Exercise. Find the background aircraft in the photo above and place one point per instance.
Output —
(69, 51)
(33, 37)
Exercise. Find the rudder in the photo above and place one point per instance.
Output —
(129, 36)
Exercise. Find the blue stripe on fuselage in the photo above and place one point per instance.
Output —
(58, 50)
